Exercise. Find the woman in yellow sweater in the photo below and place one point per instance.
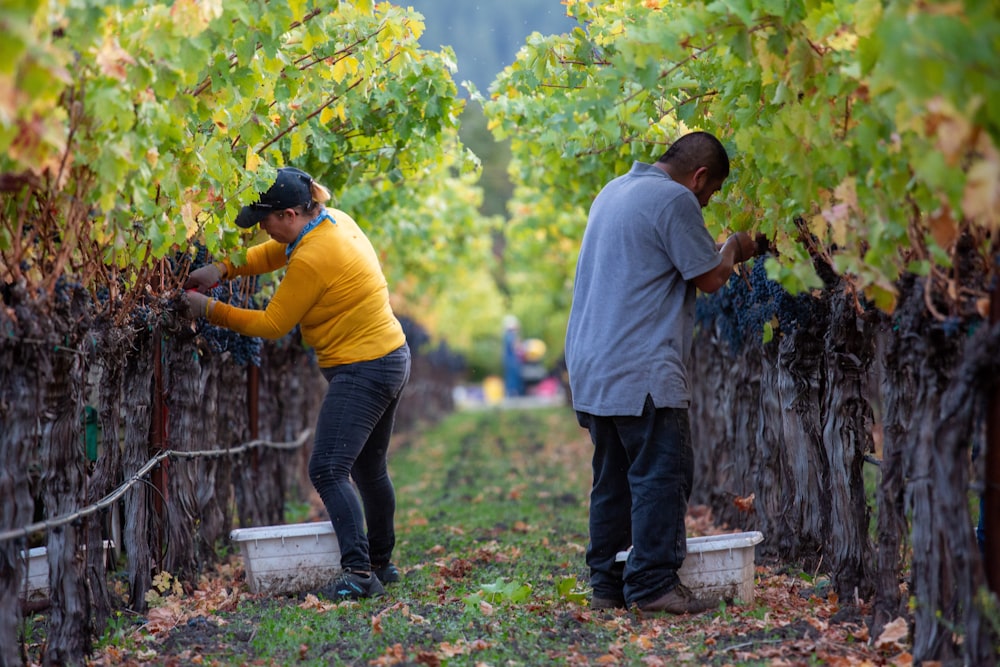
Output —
(334, 289)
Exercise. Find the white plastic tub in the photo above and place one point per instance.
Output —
(719, 565)
(289, 558)
(36, 583)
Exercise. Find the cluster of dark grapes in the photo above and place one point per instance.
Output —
(142, 316)
(744, 305)
(188, 259)
(66, 290)
(244, 349)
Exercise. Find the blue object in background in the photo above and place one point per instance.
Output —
(513, 380)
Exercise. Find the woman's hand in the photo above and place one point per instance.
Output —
(204, 278)
(195, 304)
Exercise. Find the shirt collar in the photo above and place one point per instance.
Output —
(311, 225)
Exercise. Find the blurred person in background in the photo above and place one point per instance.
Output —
(513, 357)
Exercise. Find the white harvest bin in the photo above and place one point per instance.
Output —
(36, 583)
(289, 558)
(718, 565)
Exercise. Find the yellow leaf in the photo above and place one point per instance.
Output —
(416, 28)
(253, 160)
(847, 192)
(310, 40)
(843, 41)
(220, 118)
(344, 67)
(391, 31)
(189, 214)
(298, 8)
(819, 226)
(325, 116)
(299, 145)
(884, 296)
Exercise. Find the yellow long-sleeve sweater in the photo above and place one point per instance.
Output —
(333, 288)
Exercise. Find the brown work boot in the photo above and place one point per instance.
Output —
(607, 603)
(679, 600)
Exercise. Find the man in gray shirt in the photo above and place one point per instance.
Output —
(644, 255)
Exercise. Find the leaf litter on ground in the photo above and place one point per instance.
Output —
(492, 521)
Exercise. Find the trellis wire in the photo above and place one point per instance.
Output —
(105, 502)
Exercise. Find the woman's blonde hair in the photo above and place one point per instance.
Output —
(319, 192)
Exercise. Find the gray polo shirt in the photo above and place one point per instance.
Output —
(632, 319)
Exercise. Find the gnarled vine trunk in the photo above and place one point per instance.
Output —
(847, 437)
(113, 343)
(806, 508)
(141, 537)
(154, 390)
(60, 384)
(23, 356)
(790, 421)
(826, 384)
(933, 424)
(184, 388)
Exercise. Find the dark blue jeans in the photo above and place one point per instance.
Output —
(643, 472)
(352, 441)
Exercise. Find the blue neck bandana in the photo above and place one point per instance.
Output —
(311, 225)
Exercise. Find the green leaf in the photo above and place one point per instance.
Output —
(567, 589)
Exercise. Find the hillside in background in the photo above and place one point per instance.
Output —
(486, 35)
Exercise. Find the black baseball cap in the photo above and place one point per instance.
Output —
(290, 189)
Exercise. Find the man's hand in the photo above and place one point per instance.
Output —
(745, 247)
(204, 278)
(195, 304)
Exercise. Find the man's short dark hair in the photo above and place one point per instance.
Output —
(698, 149)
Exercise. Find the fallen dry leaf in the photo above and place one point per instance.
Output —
(744, 504)
(893, 635)
(904, 659)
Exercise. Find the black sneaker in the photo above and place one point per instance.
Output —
(387, 574)
(352, 586)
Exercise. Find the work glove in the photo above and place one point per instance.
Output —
(205, 278)
(195, 304)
